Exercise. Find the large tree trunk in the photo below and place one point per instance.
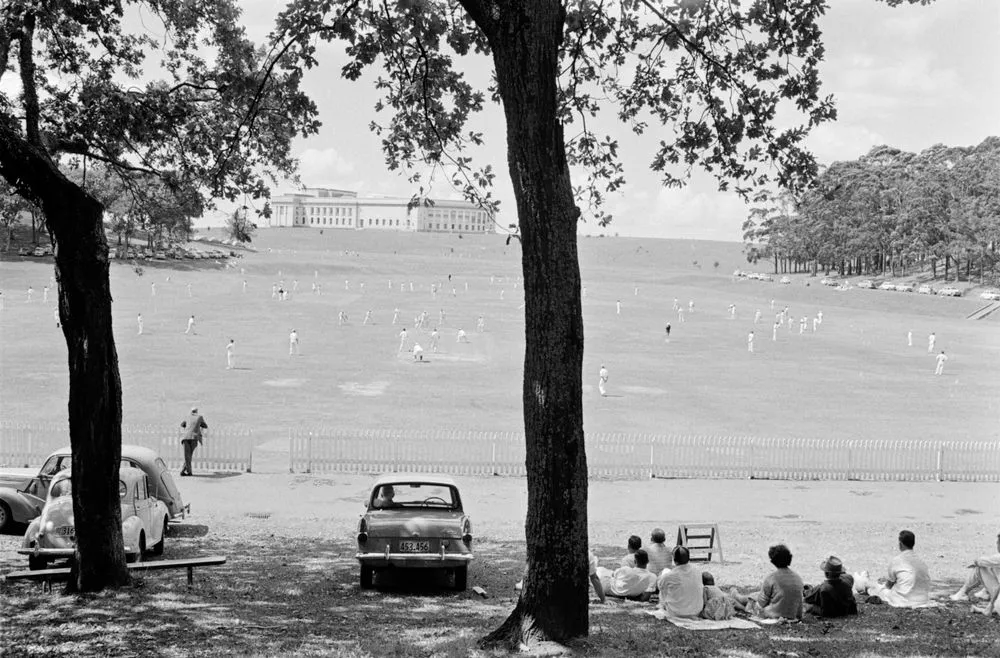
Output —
(554, 600)
(73, 218)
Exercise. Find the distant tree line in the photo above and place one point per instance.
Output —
(139, 204)
(889, 211)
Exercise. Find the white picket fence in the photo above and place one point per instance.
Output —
(226, 449)
(645, 456)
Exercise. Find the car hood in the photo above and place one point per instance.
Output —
(16, 478)
(411, 523)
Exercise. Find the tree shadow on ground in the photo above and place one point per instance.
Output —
(286, 595)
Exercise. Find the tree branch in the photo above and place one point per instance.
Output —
(26, 60)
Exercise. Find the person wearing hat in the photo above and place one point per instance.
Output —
(192, 437)
(834, 597)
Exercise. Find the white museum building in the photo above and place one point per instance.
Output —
(324, 207)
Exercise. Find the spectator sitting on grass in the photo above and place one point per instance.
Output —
(985, 579)
(681, 591)
(718, 605)
(780, 595)
(594, 579)
(659, 554)
(834, 597)
(634, 544)
(909, 582)
(635, 582)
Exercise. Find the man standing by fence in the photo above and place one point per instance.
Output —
(193, 425)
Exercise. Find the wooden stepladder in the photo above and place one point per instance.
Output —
(706, 540)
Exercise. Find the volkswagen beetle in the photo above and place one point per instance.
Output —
(22, 491)
(414, 522)
(52, 536)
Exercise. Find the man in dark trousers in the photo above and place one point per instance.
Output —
(192, 437)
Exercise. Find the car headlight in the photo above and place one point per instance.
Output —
(363, 531)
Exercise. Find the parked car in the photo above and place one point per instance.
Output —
(925, 290)
(887, 286)
(868, 284)
(52, 536)
(950, 291)
(25, 251)
(904, 287)
(23, 491)
(785, 280)
(39, 252)
(828, 281)
(160, 255)
(47, 250)
(414, 521)
(990, 295)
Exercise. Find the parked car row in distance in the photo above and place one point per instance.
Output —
(37, 251)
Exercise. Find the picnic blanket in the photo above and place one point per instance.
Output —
(703, 624)
(773, 621)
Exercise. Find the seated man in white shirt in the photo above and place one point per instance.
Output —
(681, 591)
(635, 583)
(659, 554)
(985, 579)
(908, 584)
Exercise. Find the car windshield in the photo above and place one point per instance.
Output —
(61, 488)
(414, 494)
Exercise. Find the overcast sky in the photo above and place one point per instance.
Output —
(910, 77)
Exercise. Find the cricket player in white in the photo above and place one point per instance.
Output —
(774, 331)
(732, 311)
(402, 340)
(230, 357)
(619, 305)
(750, 342)
(802, 325)
(941, 358)
(418, 352)
(603, 381)
(152, 289)
(45, 295)
(461, 337)
(909, 339)
(293, 343)
(190, 327)
(435, 336)
(930, 342)
(756, 316)
(368, 317)
(244, 286)
(481, 324)
(395, 315)
(690, 306)
(138, 319)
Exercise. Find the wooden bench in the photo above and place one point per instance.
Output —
(48, 576)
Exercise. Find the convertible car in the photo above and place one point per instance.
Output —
(22, 491)
(414, 522)
(52, 536)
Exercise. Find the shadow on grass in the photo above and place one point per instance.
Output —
(301, 596)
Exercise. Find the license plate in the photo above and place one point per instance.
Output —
(414, 547)
(66, 531)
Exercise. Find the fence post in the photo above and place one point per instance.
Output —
(249, 451)
(493, 458)
(850, 459)
(940, 461)
(309, 453)
(291, 452)
(751, 458)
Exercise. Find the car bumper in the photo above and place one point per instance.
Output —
(414, 560)
(52, 553)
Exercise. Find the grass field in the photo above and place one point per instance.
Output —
(854, 378)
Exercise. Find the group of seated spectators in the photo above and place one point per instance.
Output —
(686, 591)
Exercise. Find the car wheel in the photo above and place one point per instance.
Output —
(137, 557)
(461, 578)
(158, 546)
(37, 563)
(367, 577)
(5, 517)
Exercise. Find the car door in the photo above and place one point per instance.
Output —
(145, 507)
